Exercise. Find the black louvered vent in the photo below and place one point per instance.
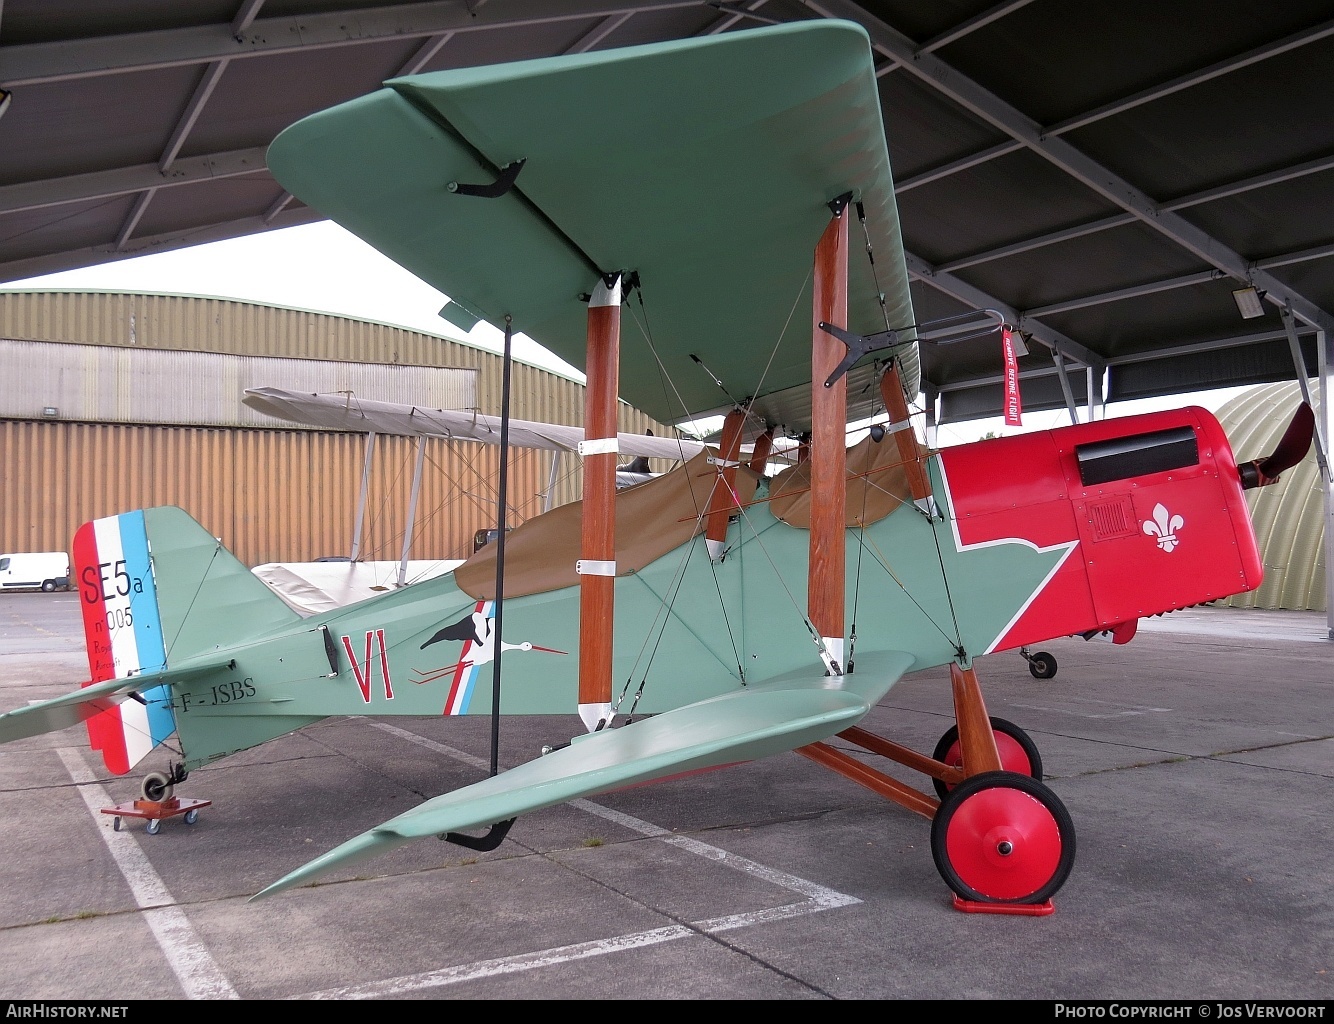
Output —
(1111, 518)
(1120, 457)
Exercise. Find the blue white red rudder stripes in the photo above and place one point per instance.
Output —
(123, 632)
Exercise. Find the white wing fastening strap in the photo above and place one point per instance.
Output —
(594, 567)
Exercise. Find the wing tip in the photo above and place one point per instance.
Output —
(362, 847)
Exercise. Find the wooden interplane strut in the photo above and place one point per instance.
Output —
(722, 498)
(764, 447)
(829, 405)
(896, 405)
(597, 566)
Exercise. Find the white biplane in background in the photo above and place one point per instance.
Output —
(703, 194)
(333, 582)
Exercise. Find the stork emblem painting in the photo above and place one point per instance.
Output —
(477, 632)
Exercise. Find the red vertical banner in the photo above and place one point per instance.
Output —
(1014, 410)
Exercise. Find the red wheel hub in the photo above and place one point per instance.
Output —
(1012, 755)
(1003, 843)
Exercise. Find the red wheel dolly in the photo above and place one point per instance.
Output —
(155, 810)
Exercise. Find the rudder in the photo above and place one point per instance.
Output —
(155, 586)
(122, 629)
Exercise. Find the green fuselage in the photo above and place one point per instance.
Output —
(685, 630)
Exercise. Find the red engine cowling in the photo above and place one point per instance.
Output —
(1151, 508)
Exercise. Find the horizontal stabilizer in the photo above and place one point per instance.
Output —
(756, 722)
(81, 705)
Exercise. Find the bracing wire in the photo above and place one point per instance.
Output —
(861, 544)
(935, 534)
(870, 258)
(646, 331)
(879, 556)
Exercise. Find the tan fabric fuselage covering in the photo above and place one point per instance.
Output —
(652, 518)
(877, 486)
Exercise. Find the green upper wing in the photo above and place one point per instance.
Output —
(764, 719)
(704, 165)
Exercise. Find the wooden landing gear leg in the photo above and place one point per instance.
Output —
(1001, 839)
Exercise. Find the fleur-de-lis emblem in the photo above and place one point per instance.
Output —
(1164, 527)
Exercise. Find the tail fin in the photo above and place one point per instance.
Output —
(155, 586)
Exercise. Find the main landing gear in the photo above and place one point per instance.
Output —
(1001, 839)
(1018, 752)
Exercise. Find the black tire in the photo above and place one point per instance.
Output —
(1001, 727)
(1042, 665)
(156, 787)
(49, 586)
(1042, 841)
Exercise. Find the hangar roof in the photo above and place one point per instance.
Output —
(1104, 175)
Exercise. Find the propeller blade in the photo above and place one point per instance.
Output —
(1292, 448)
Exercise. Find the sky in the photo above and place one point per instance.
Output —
(325, 268)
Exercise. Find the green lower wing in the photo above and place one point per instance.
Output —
(765, 719)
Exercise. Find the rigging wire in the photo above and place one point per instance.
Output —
(861, 544)
(647, 333)
(935, 533)
(664, 612)
(745, 516)
(879, 556)
(747, 408)
(959, 648)
(870, 258)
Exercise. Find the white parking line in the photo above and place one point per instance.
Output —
(817, 898)
(193, 965)
(201, 978)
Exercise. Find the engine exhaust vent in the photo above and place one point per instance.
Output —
(1121, 457)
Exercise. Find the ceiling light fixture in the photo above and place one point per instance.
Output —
(1248, 302)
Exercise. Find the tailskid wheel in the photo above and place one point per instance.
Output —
(1018, 752)
(1040, 665)
(156, 787)
(1003, 837)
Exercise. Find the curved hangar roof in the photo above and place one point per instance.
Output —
(1104, 175)
(1289, 516)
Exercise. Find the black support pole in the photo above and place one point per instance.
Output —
(501, 517)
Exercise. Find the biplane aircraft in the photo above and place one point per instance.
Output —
(335, 581)
(705, 226)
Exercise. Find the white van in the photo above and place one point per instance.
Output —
(35, 570)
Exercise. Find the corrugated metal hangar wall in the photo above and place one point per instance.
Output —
(1289, 516)
(112, 402)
